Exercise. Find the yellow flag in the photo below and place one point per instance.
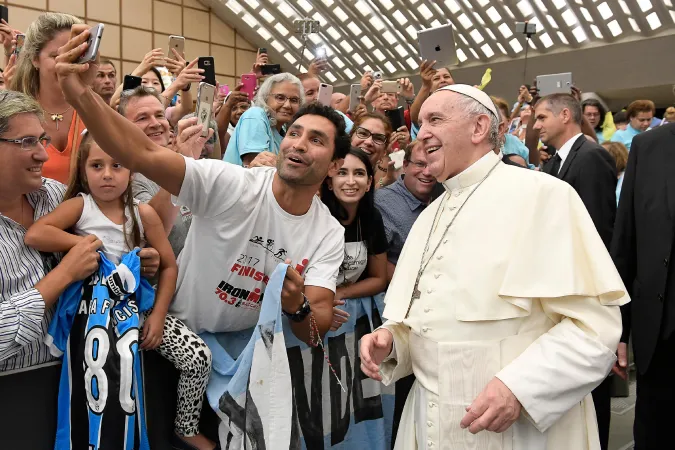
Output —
(487, 77)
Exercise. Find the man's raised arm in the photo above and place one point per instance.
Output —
(113, 133)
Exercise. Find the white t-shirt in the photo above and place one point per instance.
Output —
(93, 221)
(239, 235)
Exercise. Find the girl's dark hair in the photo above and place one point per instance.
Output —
(78, 184)
(366, 209)
(159, 76)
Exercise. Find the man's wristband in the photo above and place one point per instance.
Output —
(301, 313)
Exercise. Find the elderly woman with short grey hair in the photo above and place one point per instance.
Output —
(260, 128)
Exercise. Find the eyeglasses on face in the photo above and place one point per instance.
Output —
(418, 165)
(29, 142)
(364, 134)
(281, 98)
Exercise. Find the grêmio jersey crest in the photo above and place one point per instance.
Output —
(96, 329)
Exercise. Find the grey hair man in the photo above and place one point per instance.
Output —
(462, 292)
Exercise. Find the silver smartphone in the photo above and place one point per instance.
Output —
(205, 96)
(354, 93)
(390, 87)
(325, 94)
(557, 83)
(94, 42)
(177, 43)
(438, 44)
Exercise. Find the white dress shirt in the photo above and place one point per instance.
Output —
(564, 151)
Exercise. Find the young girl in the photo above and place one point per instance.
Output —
(350, 199)
(99, 202)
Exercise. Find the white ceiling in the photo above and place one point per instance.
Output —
(382, 34)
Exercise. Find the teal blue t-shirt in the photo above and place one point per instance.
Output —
(625, 136)
(253, 134)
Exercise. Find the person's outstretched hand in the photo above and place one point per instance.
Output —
(75, 78)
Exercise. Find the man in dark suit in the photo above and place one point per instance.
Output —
(642, 249)
(591, 171)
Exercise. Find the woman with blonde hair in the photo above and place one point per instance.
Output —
(36, 76)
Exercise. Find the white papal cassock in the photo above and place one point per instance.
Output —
(522, 288)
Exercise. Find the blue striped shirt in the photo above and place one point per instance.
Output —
(23, 319)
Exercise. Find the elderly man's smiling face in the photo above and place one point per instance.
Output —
(451, 139)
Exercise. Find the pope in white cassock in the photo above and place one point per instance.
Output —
(504, 303)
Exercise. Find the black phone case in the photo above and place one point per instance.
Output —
(271, 69)
(131, 82)
(396, 117)
(4, 13)
(207, 64)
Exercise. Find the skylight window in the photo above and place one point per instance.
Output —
(634, 24)
(552, 21)
(563, 38)
(234, 6)
(315, 38)
(400, 18)
(476, 36)
(349, 73)
(290, 58)
(452, 6)
(473, 52)
(265, 14)
(296, 43)
(286, 10)
(586, 14)
(624, 7)
(435, 23)
(525, 8)
(412, 63)
(333, 33)
(252, 3)
(345, 45)
(493, 14)
(264, 33)
(361, 7)
(377, 23)
(604, 10)
(304, 4)
(389, 37)
(360, 61)
(579, 34)
(515, 45)
(327, 2)
(330, 76)
(653, 20)
(281, 29)
(426, 12)
(354, 28)
(461, 55)
(401, 51)
(465, 21)
(366, 40)
(379, 55)
(505, 30)
(337, 61)
(390, 67)
(250, 20)
(569, 17)
(387, 4)
(614, 28)
(560, 4)
(412, 31)
(487, 50)
(501, 48)
(596, 32)
(277, 46)
(546, 40)
(309, 56)
(340, 14)
(645, 5)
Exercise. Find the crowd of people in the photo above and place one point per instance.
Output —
(507, 312)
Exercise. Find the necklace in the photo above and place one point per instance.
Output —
(58, 117)
(423, 265)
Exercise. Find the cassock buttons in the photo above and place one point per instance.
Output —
(430, 443)
(437, 275)
(452, 208)
(445, 241)
(665, 262)
(426, 310)
(425, 329)
(439, 257)
(458, 193)
(429, 291)
(430, 424)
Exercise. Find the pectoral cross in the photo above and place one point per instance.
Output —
(57, 118)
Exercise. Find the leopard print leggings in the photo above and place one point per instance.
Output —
(190, 355)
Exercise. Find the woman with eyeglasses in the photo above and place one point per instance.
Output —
(260, 128)
(372, 134)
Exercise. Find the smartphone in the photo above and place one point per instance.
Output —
(320, 52)
(177, 43)
(207, 64)
(325, 94)
(205, 96)
(262, 50)
(20, 40)
(354, 93)
(223, 90)
(514, 125)
(4, 13)
(249, 81)
(396, 117)
(94, 42)
(270, 69)
(131, 82)
(390, 87)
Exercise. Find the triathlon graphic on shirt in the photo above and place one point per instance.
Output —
(241, 293)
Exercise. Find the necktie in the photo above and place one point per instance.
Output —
(554, 167)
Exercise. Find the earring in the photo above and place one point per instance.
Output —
(330, 187)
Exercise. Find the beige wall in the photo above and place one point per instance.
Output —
(134, 27)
